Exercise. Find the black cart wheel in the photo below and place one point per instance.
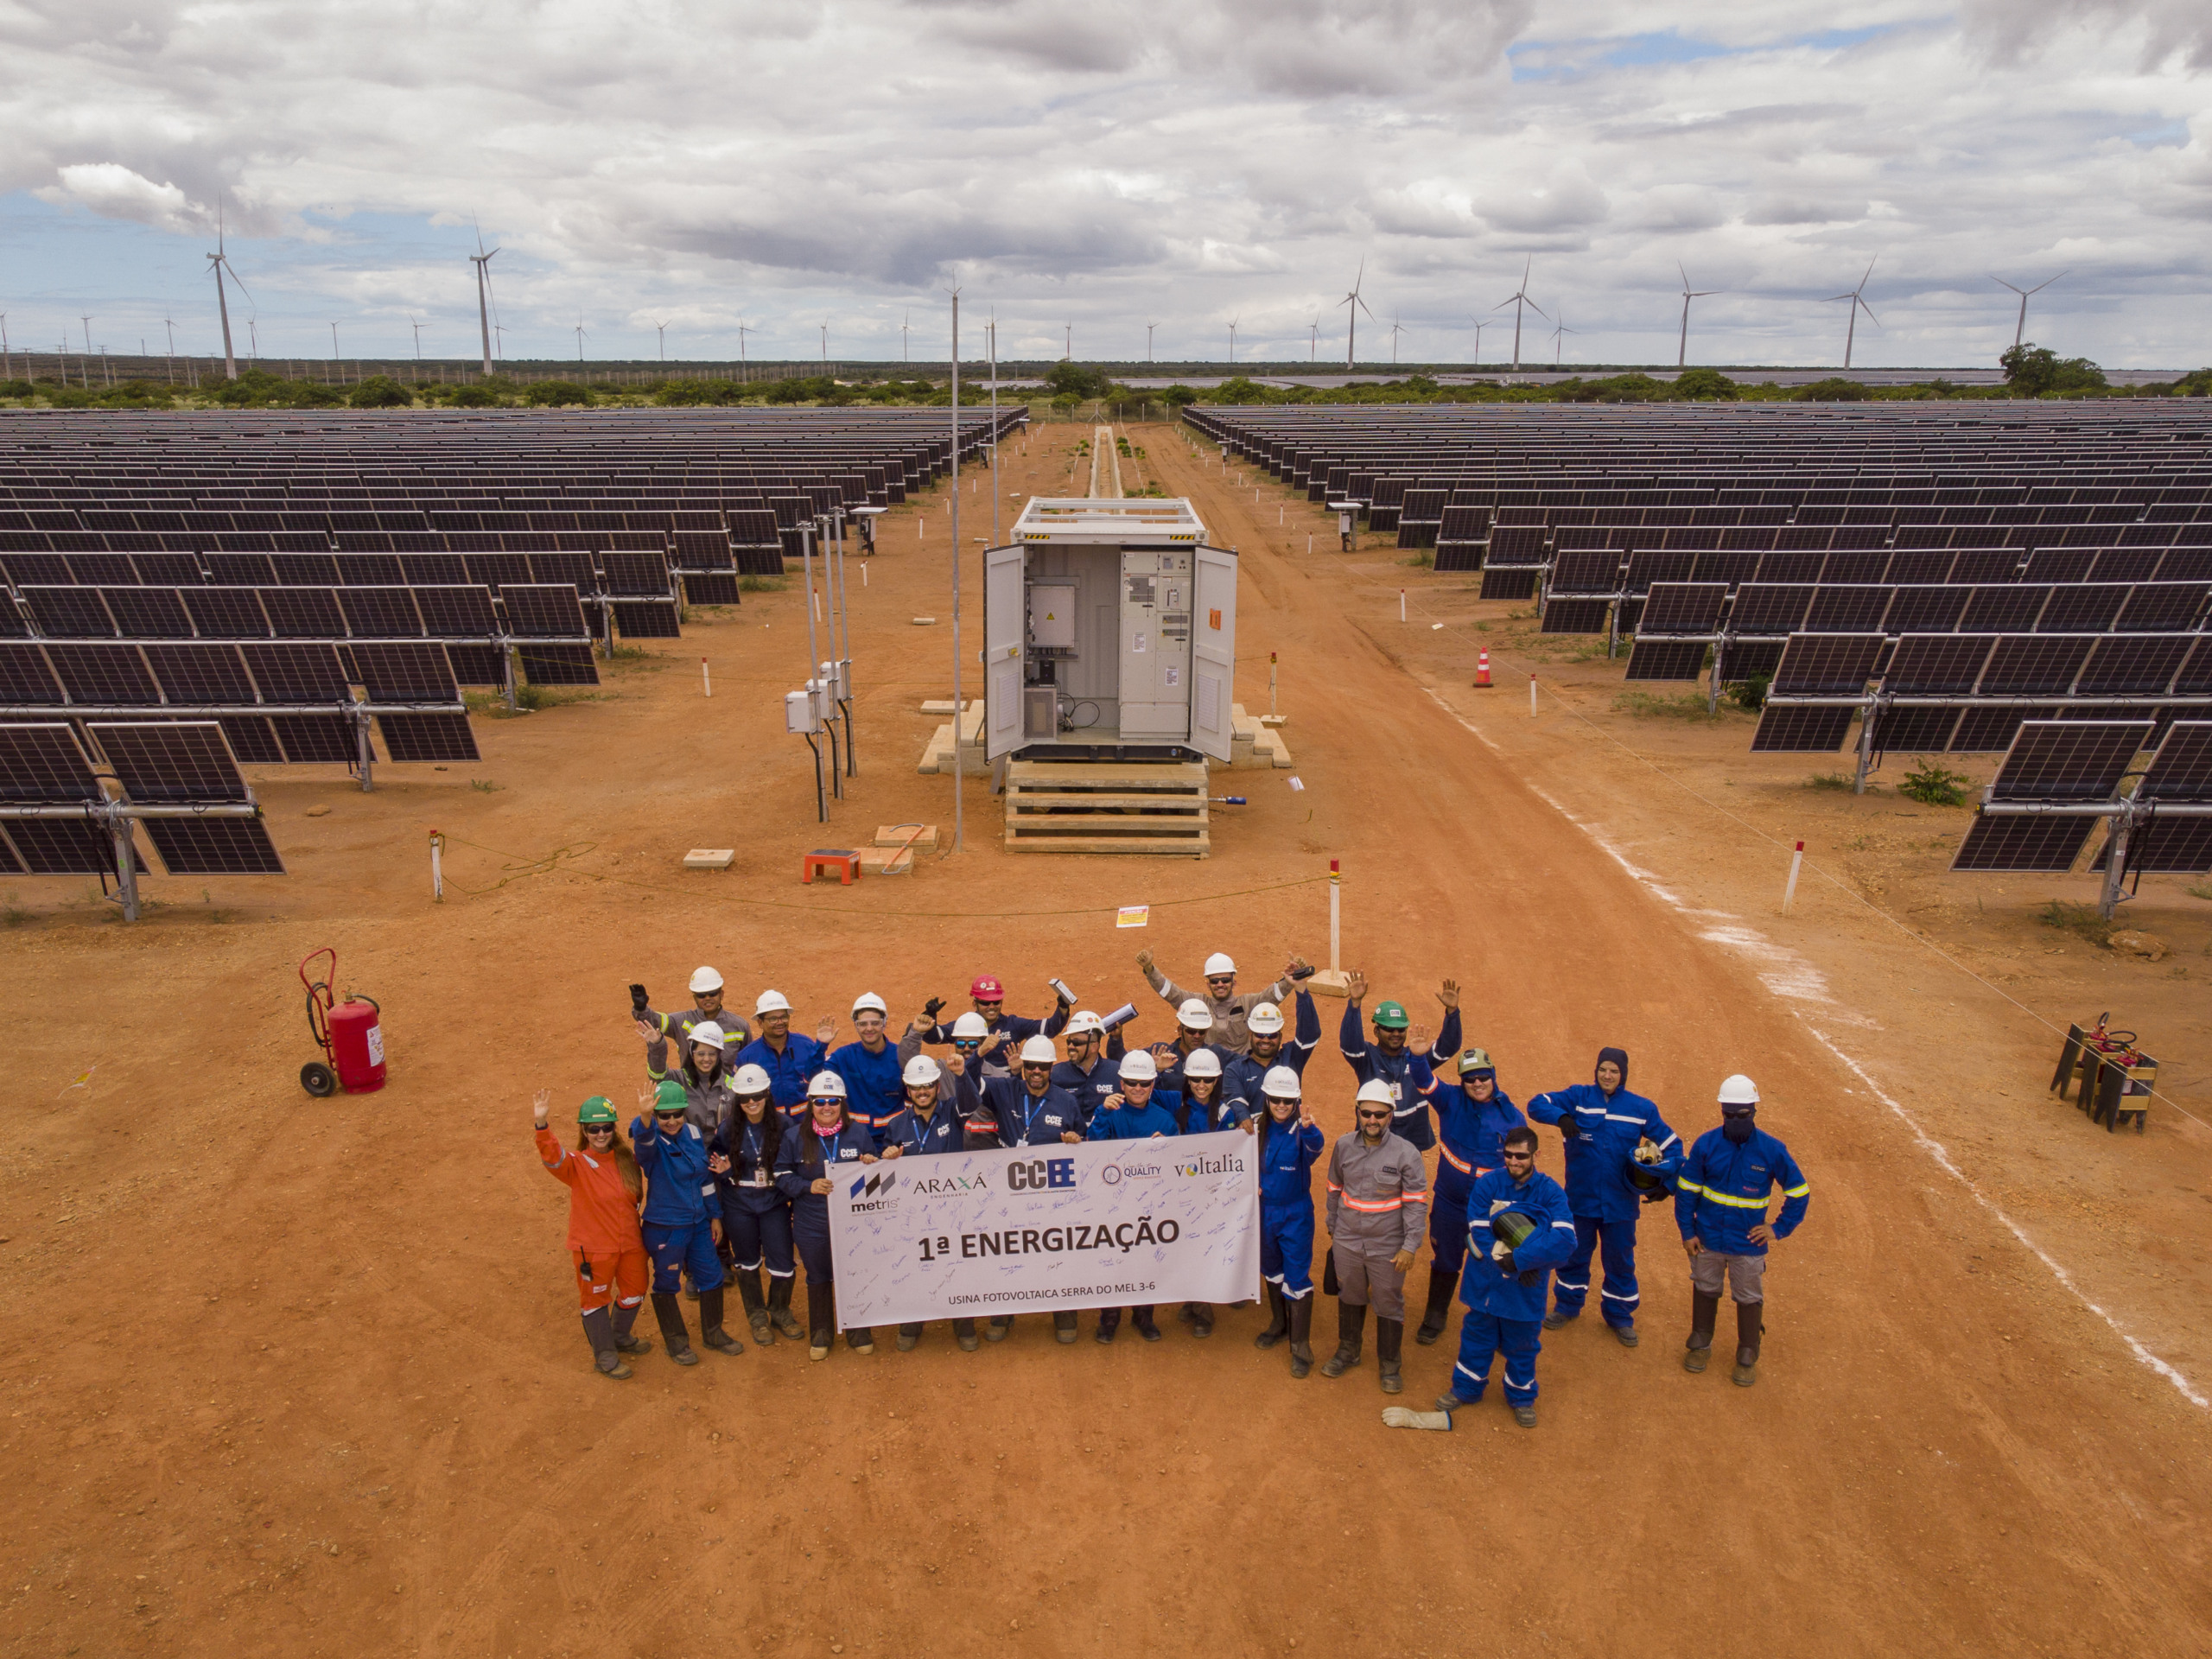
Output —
(318, 1079)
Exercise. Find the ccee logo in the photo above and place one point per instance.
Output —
(1040, 1174)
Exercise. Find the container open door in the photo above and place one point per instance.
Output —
(1005, 629)
(1213, 650)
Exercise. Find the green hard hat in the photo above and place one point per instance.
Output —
(598, 1109)
(671, 1096)
(1391, 1016)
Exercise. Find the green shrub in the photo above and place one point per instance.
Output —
(1834, 390)
(1844, 780)
(2081, 919)
(475, 395)
(546, 394)
(1932, 783)
(1646, 705)
(1750, 694)
(381, 391)
(1708, 384)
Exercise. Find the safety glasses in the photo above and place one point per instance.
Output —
(1377, 1116)
(599, 1129)
(1518, 1157)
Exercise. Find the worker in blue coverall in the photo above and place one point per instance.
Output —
(1603, 1123)
(1027, 1111)
(1290, 1143)
(1721, 1193)
(1472, 1119)
(928, 1125)
(829, 1135)
(1137, 1110)
(1247, 1072)
(1091, 1069)
(1398, 1057)
(870, 1066)
(682, 1223)
(1504, 1287)
(788, 1058)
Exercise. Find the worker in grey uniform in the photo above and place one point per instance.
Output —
(1223, 1001)
(706, 1007)
(1378, 1210)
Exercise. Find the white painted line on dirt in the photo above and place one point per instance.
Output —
(1461, 718)
(1936, 1150)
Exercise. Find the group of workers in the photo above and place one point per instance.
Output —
(724, 1175)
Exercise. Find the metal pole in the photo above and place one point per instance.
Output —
(806, 554)
(845, 661)
(365, 749)
(821, 801)
(126, 863)
(2115, 860)
(1865, 743)
(1719, 650)
(994, 337)
(437, 869)
(507, 671)
(959, 818)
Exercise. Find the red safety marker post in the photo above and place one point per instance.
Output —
(1482, 669)
(1790, 891)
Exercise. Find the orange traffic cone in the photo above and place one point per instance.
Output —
(1482, 669)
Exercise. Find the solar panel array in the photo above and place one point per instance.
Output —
(2059, 778)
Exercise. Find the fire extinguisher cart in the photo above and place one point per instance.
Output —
(349, 1032)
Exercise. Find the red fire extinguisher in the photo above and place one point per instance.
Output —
(348, 1034)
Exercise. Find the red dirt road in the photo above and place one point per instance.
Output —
(292, 1376)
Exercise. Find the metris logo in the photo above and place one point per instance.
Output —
(871, 1193)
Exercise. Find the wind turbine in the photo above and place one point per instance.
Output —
(1233, 322)
(1858, 304)
(418, 338)
(1068, 355)
(8, 355)
(1557, 333)
(1149, 328)
(482, 261)
(661, 328)
(825, 343)
(742, 330)
(1480, 326)
(1682, 352)
(220, 260)
(333, 342)
(252, 336)
(580, 336)
(87, 321)
(1396, 328)
(1357, 305)
(905, 343)
(1518, 298)
(1314, 340)
(169, 323)
(2021, 327)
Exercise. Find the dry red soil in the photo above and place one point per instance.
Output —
(291, 1377)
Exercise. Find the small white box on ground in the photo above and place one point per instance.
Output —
(925, 622)
(920, 837)
(710, 858)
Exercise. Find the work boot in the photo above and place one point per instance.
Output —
(1189, 1313)
(756, 1315)
(672, 1332)
(624, 1342)
(1704, 1311)
(1278, 1318)
(1625, 1335)
(1440, 1287)
(908, 1336)
(1450, 1402)
(1141, 1317)
(1201, 1319)
(997, 1329)
(820, 1320)
(1749, 1321)
(1525, 1415)
(963, 1331)
(1389, 1335)
(1110, 1323)
(598, 1331)
(861, 1338)
(1064, 1327)
(1301, 1336)
(1351, 1326)
(710, 1324)
(1555, 1320)
(779, 1307)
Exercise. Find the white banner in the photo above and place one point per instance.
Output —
(1107, 1224)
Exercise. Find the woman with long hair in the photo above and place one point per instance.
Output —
(605, 1189)
(1290, 1141)
(827, 1135)
(756, 1215)
(1203, 1107)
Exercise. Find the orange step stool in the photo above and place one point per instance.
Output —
(846, 863)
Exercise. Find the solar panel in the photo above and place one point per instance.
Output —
(456, 610)
(1666, 660)
(1682, 607)
(2182, 771)
(2069, 760)
(1572, 615)
(1827, 663)
(303, 612)
(429, 737)
(24, 676)
(69, 612)
(1594, 570)
(635, 572)
(199, 673)
(399, 672)
(295, 673)
(1802, 566)
(241, 569)
(2028, 664)
(543, 611)
(1927, 610)
(1801, 731)
(2194, 677)
(2046, 844)
(299, 569)
(2161, 607)
(213, 846)
(573, 570)
(308, 738)
(1982, 731)
(12, 624)
(642, 621)
(253, 739)
(2132, 664)
(557, 664)
(147, 612)
(1769, 607)
(2011, 609)
(1846, 609)
(379, 613)
(66, 847)
(714, 588)
(225, 613)
(170, 761)
(43, 763)
(1936, 664)
(101, 674)
(1916, 731)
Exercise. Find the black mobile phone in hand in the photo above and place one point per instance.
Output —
(1307, 972)
(638, 1001)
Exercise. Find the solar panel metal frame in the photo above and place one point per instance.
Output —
(1684, 607)
(225, 846)
(2034, 664)
(2183, 770)
(429, 737)
(1937, 664)
(43, 763)
(1826, 664)
(2069, 760)
(172, 762)
(543, 611)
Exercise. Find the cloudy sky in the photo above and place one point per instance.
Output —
(783, 163)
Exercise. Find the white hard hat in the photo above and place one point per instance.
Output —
(709, 1032)
(1085, 1024)
(750, 1079)
(1038, 1051)
(1217, 964)
(1195, 1015)
(772, 1003)
(705, 979)
(971, 1025)
(1265, 1020)
(919, 1071)
(869, 1000)
(1282, 1083)
(1137, 1067)
(1204, 1063)
(826, 1084)
(1375, 1090)
(1739, 1090)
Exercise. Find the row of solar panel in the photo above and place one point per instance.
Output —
(1700, 610)
(1897, 517)
(1981, 551)
(662, 521)
(1728, 484)
(639, 575)
(1596, 571)
(156, 764)
(699, 549)
(546, 611)
(2080, 761)
(206, 673)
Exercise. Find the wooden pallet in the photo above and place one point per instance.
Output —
(1065, 806)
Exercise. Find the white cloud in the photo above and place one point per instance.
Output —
(114, 191)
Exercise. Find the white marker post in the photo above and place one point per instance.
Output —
(1335, 891)
(1532, 696)
(863, 573)
(438, 867)
(706, 679)
(1271, 684)
(1790, 891)
(1401, 604)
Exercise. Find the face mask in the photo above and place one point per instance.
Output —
(1737, 1126)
